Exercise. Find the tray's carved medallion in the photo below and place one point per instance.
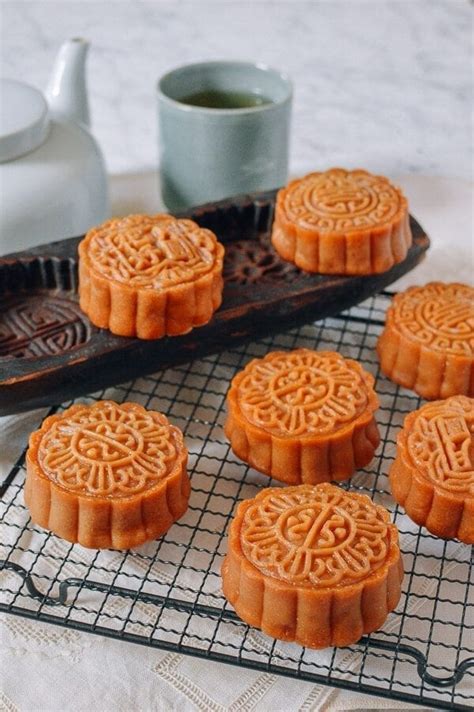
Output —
(108, 450)
(439, 315)
(152, 251)
(256, 262)
(40, 325)
(341, 200)
(302, 392)
(441, 442)
(315, 535)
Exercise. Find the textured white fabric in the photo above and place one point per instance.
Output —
(48, 668)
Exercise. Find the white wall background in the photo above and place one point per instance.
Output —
(383, 84)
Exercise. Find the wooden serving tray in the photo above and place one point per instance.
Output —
(50, 352)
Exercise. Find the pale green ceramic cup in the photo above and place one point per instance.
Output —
(211, 153)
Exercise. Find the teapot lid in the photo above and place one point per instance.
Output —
(24, 119)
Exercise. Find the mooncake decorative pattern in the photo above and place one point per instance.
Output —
(303, 416)
(150, 275)
(317, 536)
(441, 443)
(438, 315)
(312, 564)
(152, 252)
(107, 475)
(106, 450)
(302, 392)
(342, 222)
(341, 200)
(432, 476)
(428, 341)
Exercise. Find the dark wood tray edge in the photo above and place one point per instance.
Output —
(229, 327)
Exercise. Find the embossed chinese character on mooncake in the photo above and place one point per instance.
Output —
(150, 275)
(432, 476)
(428, 341)
(303, 416)
(107, 475)
(342, 222)
(312, 564)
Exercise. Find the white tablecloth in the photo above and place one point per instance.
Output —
(46, 668)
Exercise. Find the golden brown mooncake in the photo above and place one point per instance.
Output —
(432, 476)
(312, 564)
(427, 344)
(303, 416)
(342, 222)
(107, 475)
(150, 275)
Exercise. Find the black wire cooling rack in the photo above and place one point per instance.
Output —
(167, 594)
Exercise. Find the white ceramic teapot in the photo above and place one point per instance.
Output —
(52, 176)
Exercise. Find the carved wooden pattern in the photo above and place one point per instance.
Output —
(255, 261)
(40, 325)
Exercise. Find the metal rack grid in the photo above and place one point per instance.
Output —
(167, 594)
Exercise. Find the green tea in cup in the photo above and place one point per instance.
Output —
(215, 99)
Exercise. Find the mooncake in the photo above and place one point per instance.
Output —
(428, 341)
(303, 416)
(342, 222)
(150, 275)
(107, 475)
(432, 476)
(312, 564)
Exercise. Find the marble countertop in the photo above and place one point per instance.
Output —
(381, 84)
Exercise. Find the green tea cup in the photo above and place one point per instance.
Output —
(224, 130)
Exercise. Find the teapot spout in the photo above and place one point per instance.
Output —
(66, 92)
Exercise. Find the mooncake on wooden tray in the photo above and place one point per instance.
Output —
(342, 222)
(150, 275)
(65, 355)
